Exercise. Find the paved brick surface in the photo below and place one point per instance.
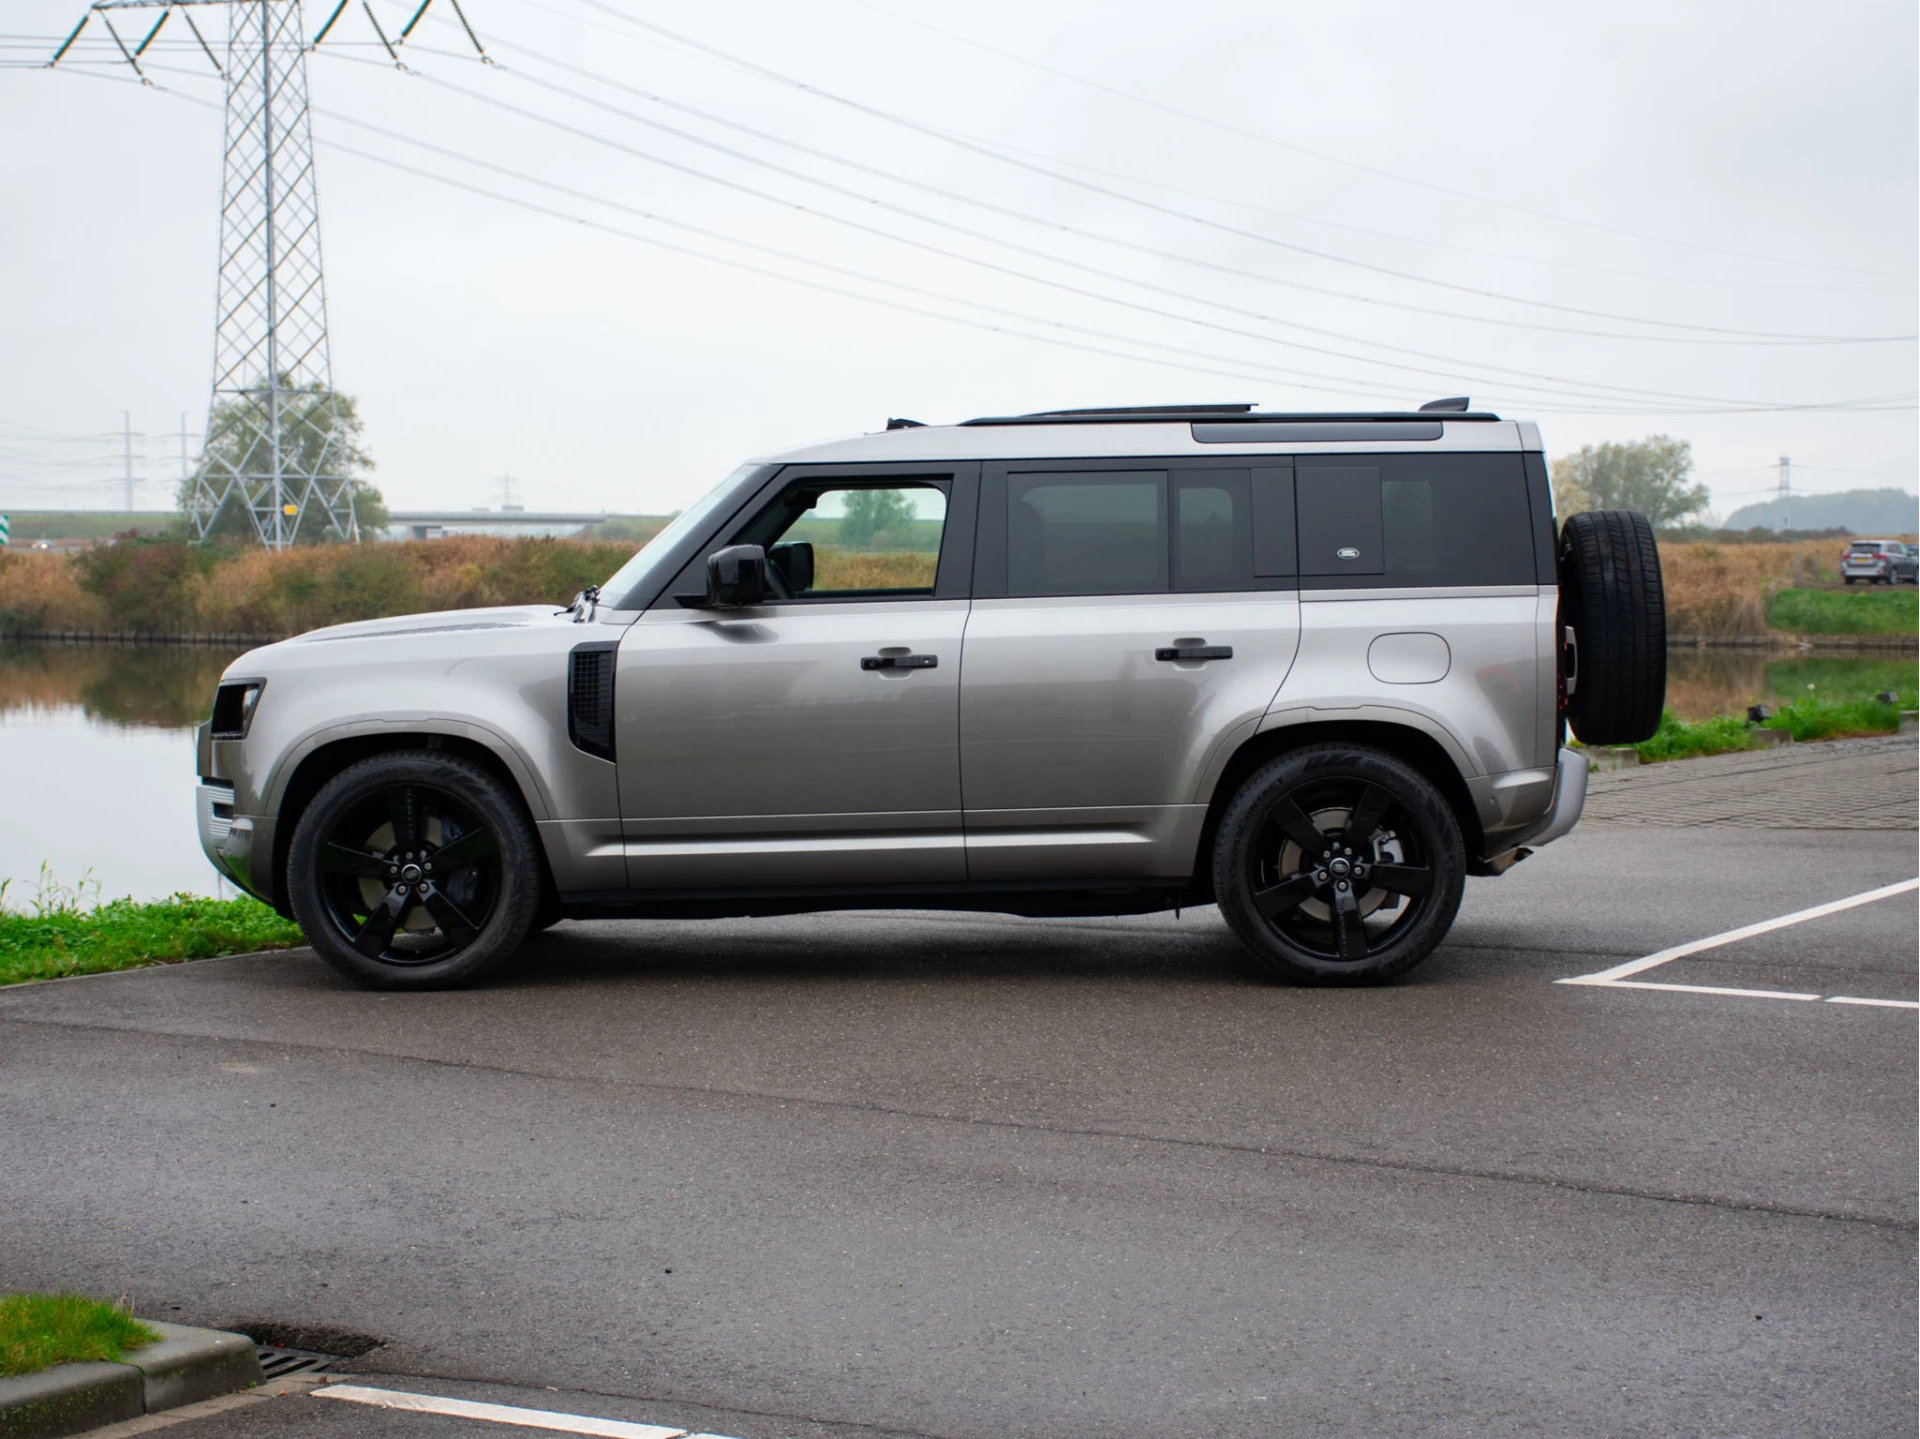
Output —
(1837, 784)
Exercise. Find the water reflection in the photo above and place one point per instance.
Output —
(169, 686)
(1707, 682)
(96, 768)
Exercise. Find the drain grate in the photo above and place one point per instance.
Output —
(277, 1363)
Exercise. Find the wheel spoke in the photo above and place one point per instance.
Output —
(1278, 899)
(458, 929)
(1407, 879)
(400, 809)
(374, 934)
(455, 854)
(343, 859)
(1349, 927)
(1367, 814)
(1294, 824)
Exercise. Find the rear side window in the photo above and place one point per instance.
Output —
(1213, 530)
(1389, 521)
(1088, 533)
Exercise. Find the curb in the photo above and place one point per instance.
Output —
(181, 1367)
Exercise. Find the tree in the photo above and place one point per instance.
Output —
(875, 517)
(1647, 475)
(319, 434)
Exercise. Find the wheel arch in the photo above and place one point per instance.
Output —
(1412, 746)
(329, 757)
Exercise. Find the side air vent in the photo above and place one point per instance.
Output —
(590, 697)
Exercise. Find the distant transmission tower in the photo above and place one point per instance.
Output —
(277, 435)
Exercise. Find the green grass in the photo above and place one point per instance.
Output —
(41, 1330)
(1870, 611)
(1690, 739)
(1818, 717)
(64, 935)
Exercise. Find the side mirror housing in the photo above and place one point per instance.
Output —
(737, 577)
(794, 561)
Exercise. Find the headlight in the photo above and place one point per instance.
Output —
(233, 707)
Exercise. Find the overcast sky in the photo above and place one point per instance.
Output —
(1561, 212)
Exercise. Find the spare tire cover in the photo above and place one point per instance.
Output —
(1612, 597)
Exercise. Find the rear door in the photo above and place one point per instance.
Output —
(813, 739)
(1130, 624)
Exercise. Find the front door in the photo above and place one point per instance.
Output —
(813, 739)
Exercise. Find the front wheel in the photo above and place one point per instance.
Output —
(414, 870)
(1339, 865)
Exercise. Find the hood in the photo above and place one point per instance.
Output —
(500, 617)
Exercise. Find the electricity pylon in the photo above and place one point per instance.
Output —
(276, 438)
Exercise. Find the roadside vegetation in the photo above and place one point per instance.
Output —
(167, 586)
(1824, 699)
(64, 930)
(1891, 611)
(38, 1331)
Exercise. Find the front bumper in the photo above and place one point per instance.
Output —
(226, 838)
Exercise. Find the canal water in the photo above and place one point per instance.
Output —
(96, 752)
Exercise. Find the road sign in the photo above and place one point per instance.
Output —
(6, 531)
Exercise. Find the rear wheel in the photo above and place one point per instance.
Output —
(1339, 865)
(414, 870)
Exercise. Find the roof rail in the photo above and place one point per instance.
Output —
(1453, 409)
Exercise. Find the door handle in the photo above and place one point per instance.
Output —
(900, 662)
(1194, 652)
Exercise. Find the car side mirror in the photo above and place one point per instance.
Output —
(794, 561)
(737, 577)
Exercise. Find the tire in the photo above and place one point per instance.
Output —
(1282, 841)
(1848, 578)
(361, 881)
(1612, 597)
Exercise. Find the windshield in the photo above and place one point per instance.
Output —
(640, 568)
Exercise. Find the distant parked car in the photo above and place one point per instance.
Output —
(1880, 562)
(42, 545)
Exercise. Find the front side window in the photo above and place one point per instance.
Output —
(826, 540)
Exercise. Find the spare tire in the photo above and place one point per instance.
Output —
(1612, 598)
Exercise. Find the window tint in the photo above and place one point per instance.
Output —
(829, 540)
(1213, 531)
(1092, 533)
(1273, 541)
(1384, 520)
(1338, 508)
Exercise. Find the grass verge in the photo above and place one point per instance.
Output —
(123, 934)
(38, 1331)
(1690, 739)
(1892, 611)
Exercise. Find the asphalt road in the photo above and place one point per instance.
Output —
(968, 1177)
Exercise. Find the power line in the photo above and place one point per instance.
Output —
(893, 177)
(1340, 160)
(892, 118)
(1357, 386)
(1546, 384)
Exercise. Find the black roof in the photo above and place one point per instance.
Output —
(1452, 409)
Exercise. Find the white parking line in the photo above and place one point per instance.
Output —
(503, 1413)
(1618, 976)
(1714, 941)
(1700, 989)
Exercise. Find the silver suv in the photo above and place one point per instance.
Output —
(1314, 669)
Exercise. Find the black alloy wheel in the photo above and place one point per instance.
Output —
(1339, 865)
(414, 870)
